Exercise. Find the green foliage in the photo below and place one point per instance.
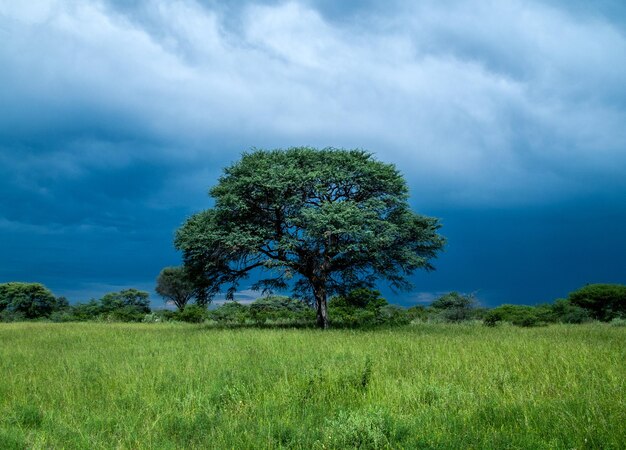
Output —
(560, 311)
(24, 301)
(417, 313)
(129, 305)
(360, 298)
(132, 299)
(565, 312)
(454, 307)
(351, 317)
(364, 307)
(175, 286)
(358, 308)
(393, 315)
(129, 313)
(192, 314)
(454, 300)
(276, 308)
(231, 312)
(618, 322)
(521, 315)
(603, 301)
(492, 318)
(86, 311)
(328, 219)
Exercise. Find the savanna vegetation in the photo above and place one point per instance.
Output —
(329, 226)
(322, 222)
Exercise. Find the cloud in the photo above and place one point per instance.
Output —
(119, 115)
(475, 99)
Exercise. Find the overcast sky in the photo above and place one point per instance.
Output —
(508, 119)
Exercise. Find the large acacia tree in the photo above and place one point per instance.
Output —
(321, 221)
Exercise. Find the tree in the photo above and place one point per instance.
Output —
(175, 286)
(330, 219)
(454, 307)
(29, 300)
(603, 301)
(128, 298)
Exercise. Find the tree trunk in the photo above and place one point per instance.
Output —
(319, 291)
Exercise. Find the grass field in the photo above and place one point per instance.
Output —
(426, 386)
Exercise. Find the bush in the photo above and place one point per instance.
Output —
(417, 313)
(351, 317)
(360, 307)
(361, 298)
(192, 314)
(492, 318)
(129, 305)
(393, 315)
(126, 314)
(230, 312)
(85, 311)
(603, 301)
(62, 316)
(12, 316)
(454, 307)
(564, 312)
(280, 308)
(618, 322)
(520, 315)
(455, 314)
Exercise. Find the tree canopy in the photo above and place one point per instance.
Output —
(127, 298)
(603, 301)
(174, 286)
(323, 221)
(29, 300)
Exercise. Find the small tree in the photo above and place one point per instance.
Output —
(455, 307)
(174, 285)
(329, 219)
(28, 300)
(603, 301)
(128, 298)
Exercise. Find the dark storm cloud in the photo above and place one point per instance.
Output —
(115, 118)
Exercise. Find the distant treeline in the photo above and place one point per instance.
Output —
(359, 308)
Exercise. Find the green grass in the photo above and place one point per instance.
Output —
(426, 386)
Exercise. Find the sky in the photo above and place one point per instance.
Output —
(507, 118)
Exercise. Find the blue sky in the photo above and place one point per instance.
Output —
(507, 118)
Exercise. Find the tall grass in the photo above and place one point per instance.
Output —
(425, 386)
